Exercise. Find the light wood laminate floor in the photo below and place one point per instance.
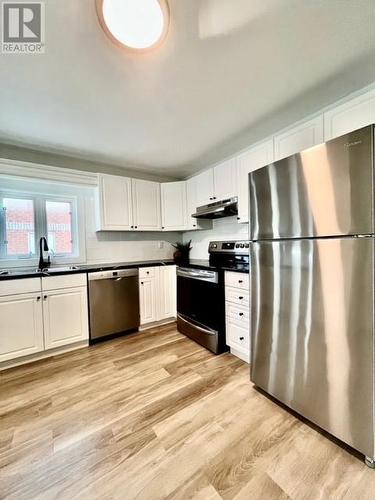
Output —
(155, 416)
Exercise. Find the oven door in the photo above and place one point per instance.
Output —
(200, 307)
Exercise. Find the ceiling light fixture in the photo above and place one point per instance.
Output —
(138, 25)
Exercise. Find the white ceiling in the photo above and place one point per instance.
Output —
(229, 73)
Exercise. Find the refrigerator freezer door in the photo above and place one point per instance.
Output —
(323, 191)
(312, 331)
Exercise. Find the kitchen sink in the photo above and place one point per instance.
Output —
(31, 270)
(51, 270)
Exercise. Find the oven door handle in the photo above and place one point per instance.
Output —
(204, 276)
(206, 330)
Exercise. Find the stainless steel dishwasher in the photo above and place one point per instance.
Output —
(113, 303)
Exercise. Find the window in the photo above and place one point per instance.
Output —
(19, 237)
(59, 227)
(25, 218)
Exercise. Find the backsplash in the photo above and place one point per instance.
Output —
(227, 228)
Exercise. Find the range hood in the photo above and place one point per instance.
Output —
(224, 208)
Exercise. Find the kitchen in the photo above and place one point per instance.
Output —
(237, 365)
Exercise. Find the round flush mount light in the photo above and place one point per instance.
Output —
(138, 25)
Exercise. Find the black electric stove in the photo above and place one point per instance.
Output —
(201, 293)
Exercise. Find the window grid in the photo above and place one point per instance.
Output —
(66, 229)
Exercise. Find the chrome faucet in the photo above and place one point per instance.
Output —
(43, 246)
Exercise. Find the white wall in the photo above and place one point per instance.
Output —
(223, 229)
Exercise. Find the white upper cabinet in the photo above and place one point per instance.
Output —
(193, 224)
(173, 206)
(205, 187)
(217, 183)
(351, 115)
(146, 205)
(225, 180)
(256, 157)
(303, 136)
(191, 203)
(115, 203)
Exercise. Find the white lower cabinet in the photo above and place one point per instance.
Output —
(21, 325)
(167, 292)
(147, 300)
(53, 313)
(157, 293)
(65, 317)
(237, 312)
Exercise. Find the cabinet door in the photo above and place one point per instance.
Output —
(193, 224)
(65, 317)
(254, 158)
(350, 115)
(304, 136)
(146, 205)
(173, 199)
(205, 187)
(115, 203)
(147, 299)
(167, 292)
(21, 326)
(225, 180)
(191, 203)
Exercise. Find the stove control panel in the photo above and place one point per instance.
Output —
(229, 247)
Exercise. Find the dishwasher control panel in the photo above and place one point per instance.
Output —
(107, 275)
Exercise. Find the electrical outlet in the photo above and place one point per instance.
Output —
(161, 245)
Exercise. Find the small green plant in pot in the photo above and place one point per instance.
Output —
(181, 255)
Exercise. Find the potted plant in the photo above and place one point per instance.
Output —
(181, 255)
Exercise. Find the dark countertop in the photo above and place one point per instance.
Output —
(18, 273)
(205, 264)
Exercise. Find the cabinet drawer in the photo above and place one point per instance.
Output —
(238, 314)
(146, 272)
(237, 280)
(237, 296)
(65, 281)
(14, 287)
(237, 337)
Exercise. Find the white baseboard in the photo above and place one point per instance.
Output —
(42, 355)
(245, 356)
(142, 328)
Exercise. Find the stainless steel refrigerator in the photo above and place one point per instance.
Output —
(312, 285)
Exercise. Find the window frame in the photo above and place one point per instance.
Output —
(40, 224)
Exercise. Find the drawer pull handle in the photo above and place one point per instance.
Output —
(240, 298)
(240, 314)
(240, 281)
(242, 338)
